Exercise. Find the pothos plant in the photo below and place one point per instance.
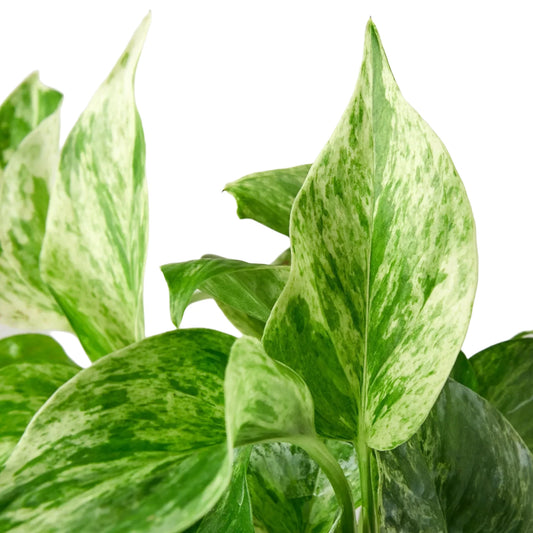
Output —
(346, 391)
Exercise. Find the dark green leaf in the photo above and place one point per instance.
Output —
(463, 372)
(465, 470)
(96, 232)
(267, 197)
(134, 443)
(384, 268)
(32, 367)
(505, 375)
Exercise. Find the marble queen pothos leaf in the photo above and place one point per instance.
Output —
(290, 494)
(29, 154)
(267, 197)
(505, 378)
(32, 367)
(246, 292)
(268, 401)
(96, 233)
(384, 268)
(466, 470)
(134, 443)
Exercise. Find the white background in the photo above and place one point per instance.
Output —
(226, 88)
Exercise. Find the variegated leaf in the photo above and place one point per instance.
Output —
(290, 494)
(29, 154)
(267, 401)
(96, 234)
(241, 289)
(267, 197)
(32, 367)
(384, 268)
(134, 443)
(233, 512)
(465, 470)
(505, 376)
(26, 107)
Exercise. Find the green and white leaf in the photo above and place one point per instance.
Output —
(267, 197)
(96, 234)
(505, 376)
(29, 155)
(134, 443)
(25, 108)
(246, 292)
(384, 268)
(466, 470)
(267, 401)
(233, 512)
(290, 494)
(32, 367)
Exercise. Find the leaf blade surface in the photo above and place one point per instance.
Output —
(96, 236)
(383, 247)
(136, 442)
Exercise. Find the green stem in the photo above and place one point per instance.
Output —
(368, 520)
(318, 451)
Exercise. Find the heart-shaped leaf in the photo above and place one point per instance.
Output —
(96, 232)
(134, 443)
(466, 470)
(29, 154)
(267, 197)
(383, 268)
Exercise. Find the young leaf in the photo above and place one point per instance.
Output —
(136, 442)
(32, 367)
(266, 400)
(233, 512)
(247, 288)
(505, 375)
(267, 197)
(291, 494)
(96, 233)
(29, 153)
(465, 470)
(383, 268)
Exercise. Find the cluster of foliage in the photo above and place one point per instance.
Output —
(347, 389)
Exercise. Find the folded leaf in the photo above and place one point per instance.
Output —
(267, 197)
(32, 367)
(246, 290)
(290, 494)
(383, 268)
(96, 234)
(233, 512)
(136, 442)
(465, 470)
(29, 154)
(267, 401)
(505, 375)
